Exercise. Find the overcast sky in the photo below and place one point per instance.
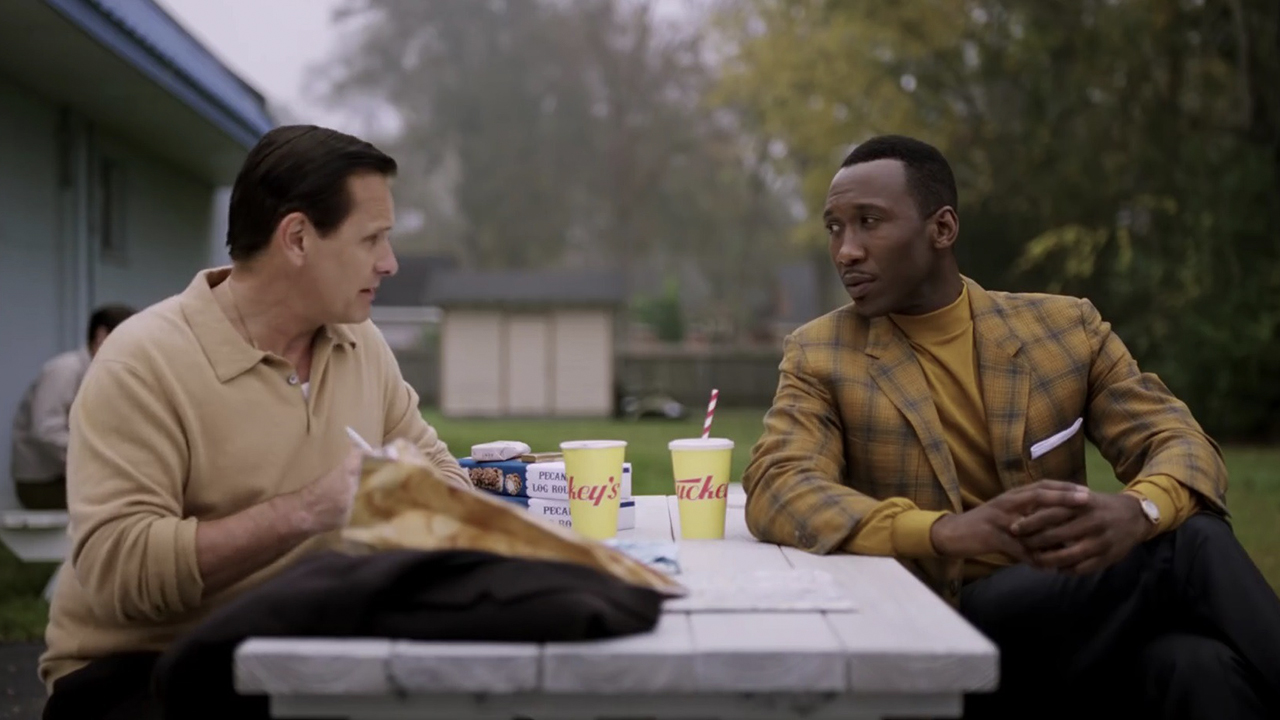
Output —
(271, 44)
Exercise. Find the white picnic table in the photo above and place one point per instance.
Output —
(900, 652)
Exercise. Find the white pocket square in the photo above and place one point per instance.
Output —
(1055, 439)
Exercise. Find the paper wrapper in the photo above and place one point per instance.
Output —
(404, 503)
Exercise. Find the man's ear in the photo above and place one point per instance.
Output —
(944, 228)
(291, 233)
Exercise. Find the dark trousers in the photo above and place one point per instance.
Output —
(117, 687)
(1184, 627)
(42, 494)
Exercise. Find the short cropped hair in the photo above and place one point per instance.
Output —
(107, 317)
(297, 168)
(929, 177)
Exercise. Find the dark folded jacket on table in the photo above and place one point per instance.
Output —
(403, 594)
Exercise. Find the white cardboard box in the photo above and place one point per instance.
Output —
(557, 511)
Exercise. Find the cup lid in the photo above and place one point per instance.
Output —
(701, 444)
(592, 444)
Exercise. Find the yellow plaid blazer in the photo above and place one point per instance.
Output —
(853, 422)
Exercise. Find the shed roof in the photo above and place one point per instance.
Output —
(527, 287)
(411, 284)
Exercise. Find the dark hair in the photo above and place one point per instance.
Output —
(929, 177)
(297, 168)
(107, 317)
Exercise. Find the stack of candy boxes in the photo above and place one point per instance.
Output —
(536, 482)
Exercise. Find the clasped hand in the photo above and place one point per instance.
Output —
(1049, 524)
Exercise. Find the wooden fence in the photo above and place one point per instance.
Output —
(745, 377)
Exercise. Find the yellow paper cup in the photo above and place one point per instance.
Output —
(593, 469)
(701, 467)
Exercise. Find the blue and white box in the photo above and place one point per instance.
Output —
(517, 478)
(501, 477)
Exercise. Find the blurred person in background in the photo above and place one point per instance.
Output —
(41, 426)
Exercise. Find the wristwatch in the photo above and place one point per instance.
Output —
(1150, 509)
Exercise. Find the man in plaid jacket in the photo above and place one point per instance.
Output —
(944, 425)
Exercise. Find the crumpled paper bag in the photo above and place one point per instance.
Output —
(404, 503)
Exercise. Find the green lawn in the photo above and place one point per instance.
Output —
(1254, 496)
(23, 612)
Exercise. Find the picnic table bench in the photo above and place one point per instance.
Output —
(899, 652)
(36, 536)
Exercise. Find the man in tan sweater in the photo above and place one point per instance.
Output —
(208, 446)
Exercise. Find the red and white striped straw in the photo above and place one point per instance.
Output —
(711, 412)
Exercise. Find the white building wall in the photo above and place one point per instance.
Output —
(53, 268)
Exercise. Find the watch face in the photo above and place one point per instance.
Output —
(1151, 510)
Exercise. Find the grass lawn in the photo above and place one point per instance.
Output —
(1254, 495)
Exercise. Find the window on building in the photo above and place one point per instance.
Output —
(112, 245)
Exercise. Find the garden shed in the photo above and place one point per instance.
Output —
(525, 343)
